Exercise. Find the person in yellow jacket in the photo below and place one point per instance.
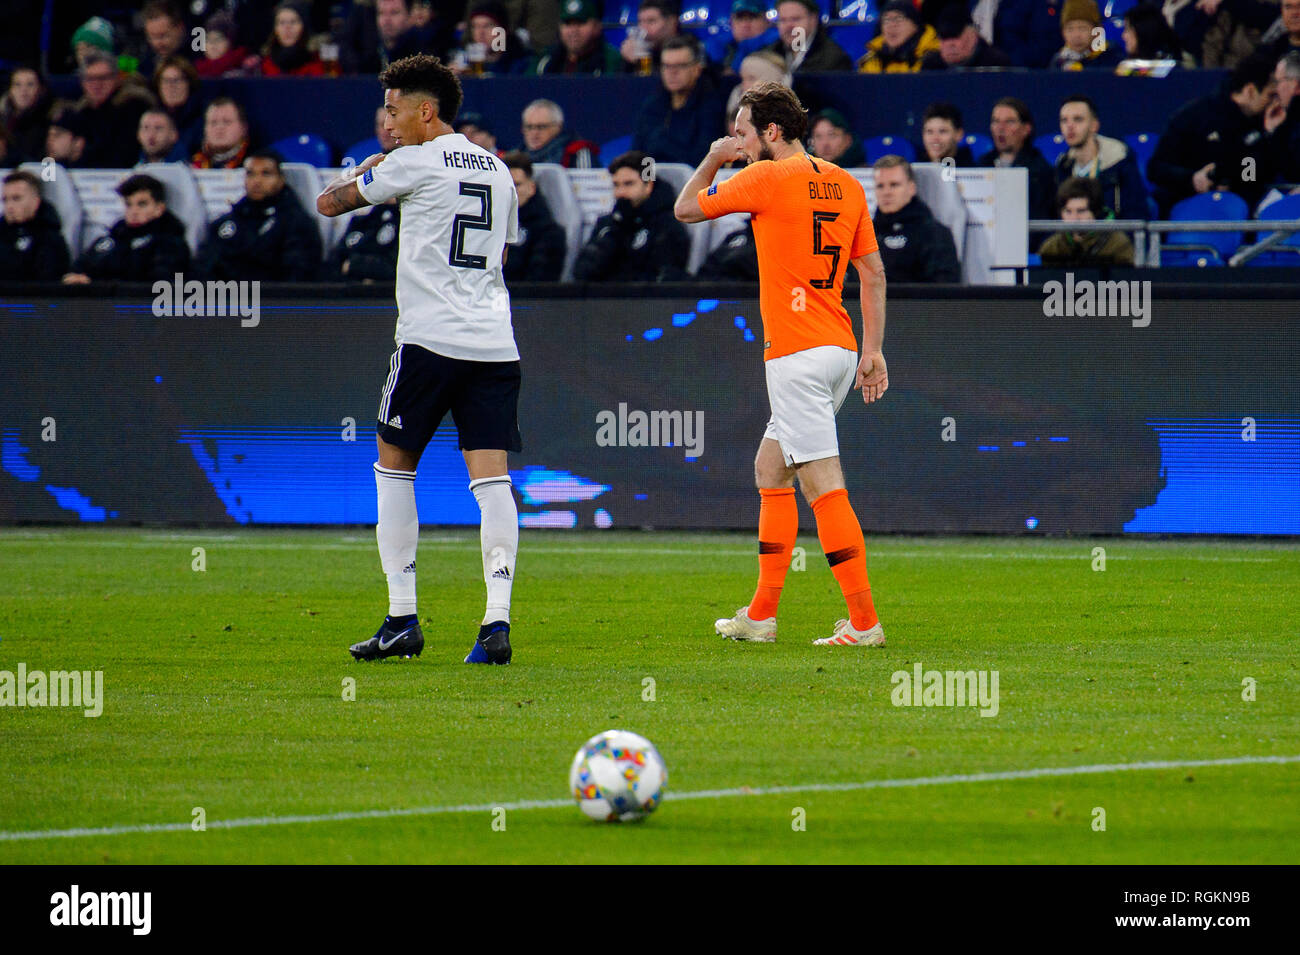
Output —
(903, 42)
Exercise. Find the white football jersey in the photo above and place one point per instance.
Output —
(459, 210)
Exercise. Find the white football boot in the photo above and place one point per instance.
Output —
(741, 627)
(846, 636)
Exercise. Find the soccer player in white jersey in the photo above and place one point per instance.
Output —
(455, 343)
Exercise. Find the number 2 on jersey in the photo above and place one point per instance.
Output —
(819, 249)
(462, 222)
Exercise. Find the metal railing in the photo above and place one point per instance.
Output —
(1147, 234)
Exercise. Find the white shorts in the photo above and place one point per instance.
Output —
(806, 389)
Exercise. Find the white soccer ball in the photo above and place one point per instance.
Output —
(618, 776)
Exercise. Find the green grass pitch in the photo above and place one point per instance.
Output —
(224, 690)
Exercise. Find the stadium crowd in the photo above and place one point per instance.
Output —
(143, 99)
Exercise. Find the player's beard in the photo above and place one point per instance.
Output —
(764, 151)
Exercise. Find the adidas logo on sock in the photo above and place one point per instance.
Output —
(395, 421)
(409, 568)
(503, 572)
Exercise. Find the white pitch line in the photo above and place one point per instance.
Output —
(1014, 774)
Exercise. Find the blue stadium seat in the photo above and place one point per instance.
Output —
(1203, 248)
(877, 146)
(979, 143)
(853, 37)
(1051, 145)
(360, 152)
(613, 148)
(307, 148)
(1142, 146)
(1114, 27)
(1288, 251)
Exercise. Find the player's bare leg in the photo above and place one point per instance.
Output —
(397, 533)
(489, 476)
(778, 526)
(840, 534)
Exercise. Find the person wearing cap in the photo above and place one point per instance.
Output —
(287, 51)
(222, 53)
(750, 31)
(473, 126)
(538, 253)
(65, 139)
(110, 112)
(802, 43)
(903, 42)
(96, 34)
(32, 248)
(833, 140)
(582, 49)
(502, 52)
(960, 45)
(914, 245)
(1085, 46)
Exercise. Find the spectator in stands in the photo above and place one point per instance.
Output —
(491, 47)
(159, 141)
(110, 113)
(1287, 29)
(902, 43)
(942, 135)
(1080, 200)
(378, 34)
(833, 140)
(95, 35)
(1218, 34)
(960, 45)
(25, 116)
(266, 235)
(537, 21)
(734, 260)
(368, 250)
(582, 48)
(538, 256)
(802, 43)
(1148, 36)
(681, 119)
(545, 139)
(915, 246)
(1012, 129)
(165, 35)
(225, 136)
(474, 127)
(1083, 50)
(65, 139)
(1282, 119)
(223, 55)
(639, 240)
(750, 32)
(657, 21)
(1091, 156)
(146, 245)
(287, 51)
(1219, 141)
(176, 83)
(761, 67)
(31, 237)
(1028, 31)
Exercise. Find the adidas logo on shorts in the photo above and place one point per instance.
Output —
(395, 421)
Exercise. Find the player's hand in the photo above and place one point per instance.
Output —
(1203, 178)
(725, 150)
(873, 376)
(370, 163)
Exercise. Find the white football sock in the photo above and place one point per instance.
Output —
(398, 533)
(499, 536)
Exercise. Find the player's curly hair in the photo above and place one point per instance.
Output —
(422, 73)
(773, 103)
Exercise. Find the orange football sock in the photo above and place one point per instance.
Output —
(778, 526)
(841, 536)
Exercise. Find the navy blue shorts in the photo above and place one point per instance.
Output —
(422, 386)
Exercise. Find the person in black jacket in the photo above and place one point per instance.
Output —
(679, 121)
(1219, 141)
(735, 260)
(915, 246)
(146, 245)
(368, 250)
(1012, 129)
(640, 240)
(31, 238)
(942, 133)
(538, 256)
(267, 235)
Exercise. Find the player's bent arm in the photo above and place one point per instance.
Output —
(339, 197)
(687, 208)
(871, 273)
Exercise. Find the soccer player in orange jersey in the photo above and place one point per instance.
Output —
(810, 221)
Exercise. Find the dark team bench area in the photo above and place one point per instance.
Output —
(1062, 408)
